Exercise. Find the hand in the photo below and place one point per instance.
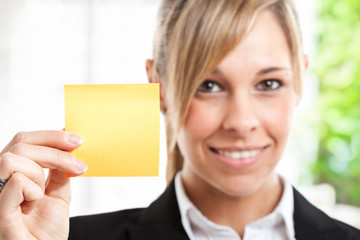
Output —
(30, 207)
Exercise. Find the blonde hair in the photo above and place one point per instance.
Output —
(192, 38)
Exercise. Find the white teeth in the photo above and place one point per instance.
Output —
(239, 154)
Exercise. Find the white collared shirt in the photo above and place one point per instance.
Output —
(278, 225)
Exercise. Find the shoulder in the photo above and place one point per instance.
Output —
(312, 223)
(105, 225)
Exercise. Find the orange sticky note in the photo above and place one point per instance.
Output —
(120, 125)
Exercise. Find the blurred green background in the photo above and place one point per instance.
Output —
(337, 65)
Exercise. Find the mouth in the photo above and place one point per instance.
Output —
(244, 154)
(239, 159)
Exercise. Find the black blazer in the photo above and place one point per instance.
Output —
(161, 220)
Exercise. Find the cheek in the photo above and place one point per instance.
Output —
(278, 118)
(202, 121)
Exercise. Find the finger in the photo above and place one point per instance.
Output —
(52, 158)
(58, 186)
(28, 206)
(19, 189)
(51, 138)
(11, 163)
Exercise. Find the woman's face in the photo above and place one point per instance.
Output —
(239, 119)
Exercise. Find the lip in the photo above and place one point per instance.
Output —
(242, 162)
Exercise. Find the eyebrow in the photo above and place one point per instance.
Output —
(261, 72)
(272, 69)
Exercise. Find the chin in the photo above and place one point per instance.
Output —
(238, 187)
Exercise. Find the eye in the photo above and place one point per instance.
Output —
(209, 86)
(269, 85)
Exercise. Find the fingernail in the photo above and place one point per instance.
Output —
(74, 139)
(80, 166)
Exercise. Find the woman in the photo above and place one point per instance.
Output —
(230, 74)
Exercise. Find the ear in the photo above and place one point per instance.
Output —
(154, 78)
(306, 67)
(306, 62)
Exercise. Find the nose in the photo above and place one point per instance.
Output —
(241, 117)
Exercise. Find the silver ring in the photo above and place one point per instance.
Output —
(2, 184)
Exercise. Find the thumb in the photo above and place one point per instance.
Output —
(58, 186)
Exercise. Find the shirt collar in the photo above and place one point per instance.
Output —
(184, 204)
(284, 209)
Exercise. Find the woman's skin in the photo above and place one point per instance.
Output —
(31, 208)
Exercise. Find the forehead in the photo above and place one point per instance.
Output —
(265, 46)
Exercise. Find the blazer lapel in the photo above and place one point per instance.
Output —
(161, 220)
(313, 224)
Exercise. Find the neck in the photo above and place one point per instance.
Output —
(235, 211)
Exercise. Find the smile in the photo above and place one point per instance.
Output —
(238, 159)
(238, 154)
